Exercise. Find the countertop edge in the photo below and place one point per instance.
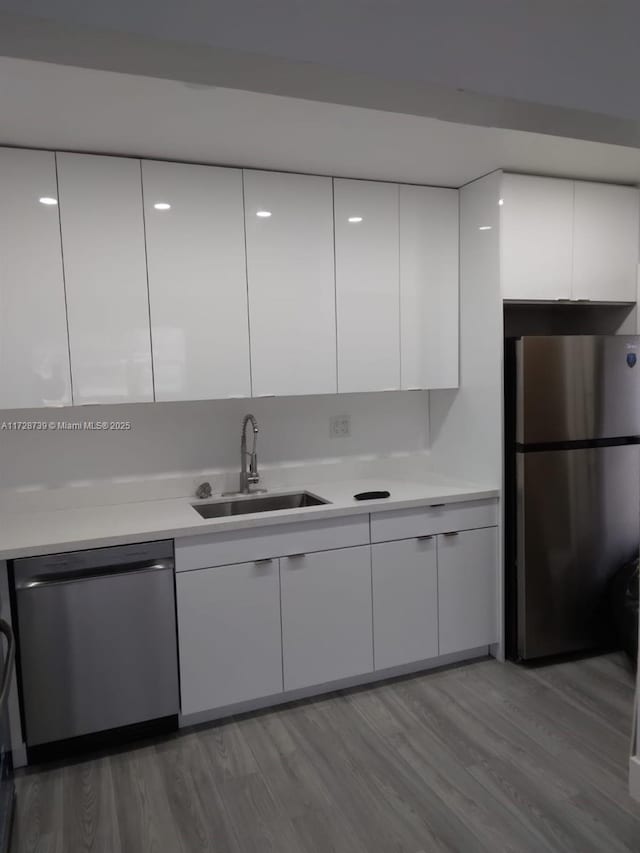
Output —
(220, 525)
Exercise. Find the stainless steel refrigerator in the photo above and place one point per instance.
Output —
(572, 426)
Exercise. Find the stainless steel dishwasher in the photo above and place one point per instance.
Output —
(97, 641)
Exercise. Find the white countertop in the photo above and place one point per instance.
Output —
(30, 533)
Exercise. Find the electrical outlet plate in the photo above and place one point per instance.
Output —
(340, 426)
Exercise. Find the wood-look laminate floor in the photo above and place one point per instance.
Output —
(483, 757)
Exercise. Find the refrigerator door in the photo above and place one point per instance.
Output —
(577, 388)
(578, 523)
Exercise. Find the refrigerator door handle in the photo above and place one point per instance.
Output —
(5, 685)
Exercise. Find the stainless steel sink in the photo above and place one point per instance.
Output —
(262, 503)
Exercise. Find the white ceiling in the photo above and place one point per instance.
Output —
(582, 55)
(52, 106)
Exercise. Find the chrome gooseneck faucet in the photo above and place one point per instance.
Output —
(249, 477)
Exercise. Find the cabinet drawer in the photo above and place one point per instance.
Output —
(261, 543)
(425, 521)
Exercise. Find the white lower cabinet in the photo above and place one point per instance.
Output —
(229, 634)
(255, 629)
(467, 589)
(326, 616)
(405, 601)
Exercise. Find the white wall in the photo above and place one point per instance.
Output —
(174, 438)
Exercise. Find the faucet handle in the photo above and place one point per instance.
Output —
(204, 490)
(253, 476)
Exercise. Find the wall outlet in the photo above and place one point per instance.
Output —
(340, 426)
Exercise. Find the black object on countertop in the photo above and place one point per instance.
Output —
(371, 496)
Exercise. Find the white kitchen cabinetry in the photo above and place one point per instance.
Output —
(605, 242)
(568, 240)
(34, 350)
(194, 223)
(467, 589)
(536, 237)
(290, 268)
(405, 601)
(367, 285)
(435, 518)
(229, 634)
(257, 543)
(326, 616)
(428, 287)
(106, 278)
(265, 611)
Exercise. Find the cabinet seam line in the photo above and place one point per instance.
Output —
(246, 281)
(64, 277)
(335, 275)
(373, 633)
(281, 628)
(146, 269)
(399, 297)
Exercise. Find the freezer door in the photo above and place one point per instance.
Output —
(577, 388)
(578, 523)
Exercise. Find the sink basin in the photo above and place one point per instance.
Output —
(260, 503)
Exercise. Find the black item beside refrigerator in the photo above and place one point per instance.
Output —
(572, 484)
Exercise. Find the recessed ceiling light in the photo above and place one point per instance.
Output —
(47, 200)
(162, 205)
(485, 227)
(354, 219)
(263, 214)
(500, 201)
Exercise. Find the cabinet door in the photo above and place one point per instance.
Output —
(34, 349)
(106, 278)
(290, 270)
(605, 242)
(326, 616)
(194, 222)
(405, 601)
(467, 589)
(536, 237)
(228, 635)
(367, 285)
(429, 287)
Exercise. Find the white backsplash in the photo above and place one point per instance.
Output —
(172, 447)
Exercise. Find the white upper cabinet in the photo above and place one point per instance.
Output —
(289, 227)
(106, 278)
(34, 351)
(568, 240)
(194, 224)
(367, 285)
(429, 287)
(536, 237)
(605, 242)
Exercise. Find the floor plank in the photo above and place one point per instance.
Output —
(480, 757)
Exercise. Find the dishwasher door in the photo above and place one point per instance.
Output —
(97, 640)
